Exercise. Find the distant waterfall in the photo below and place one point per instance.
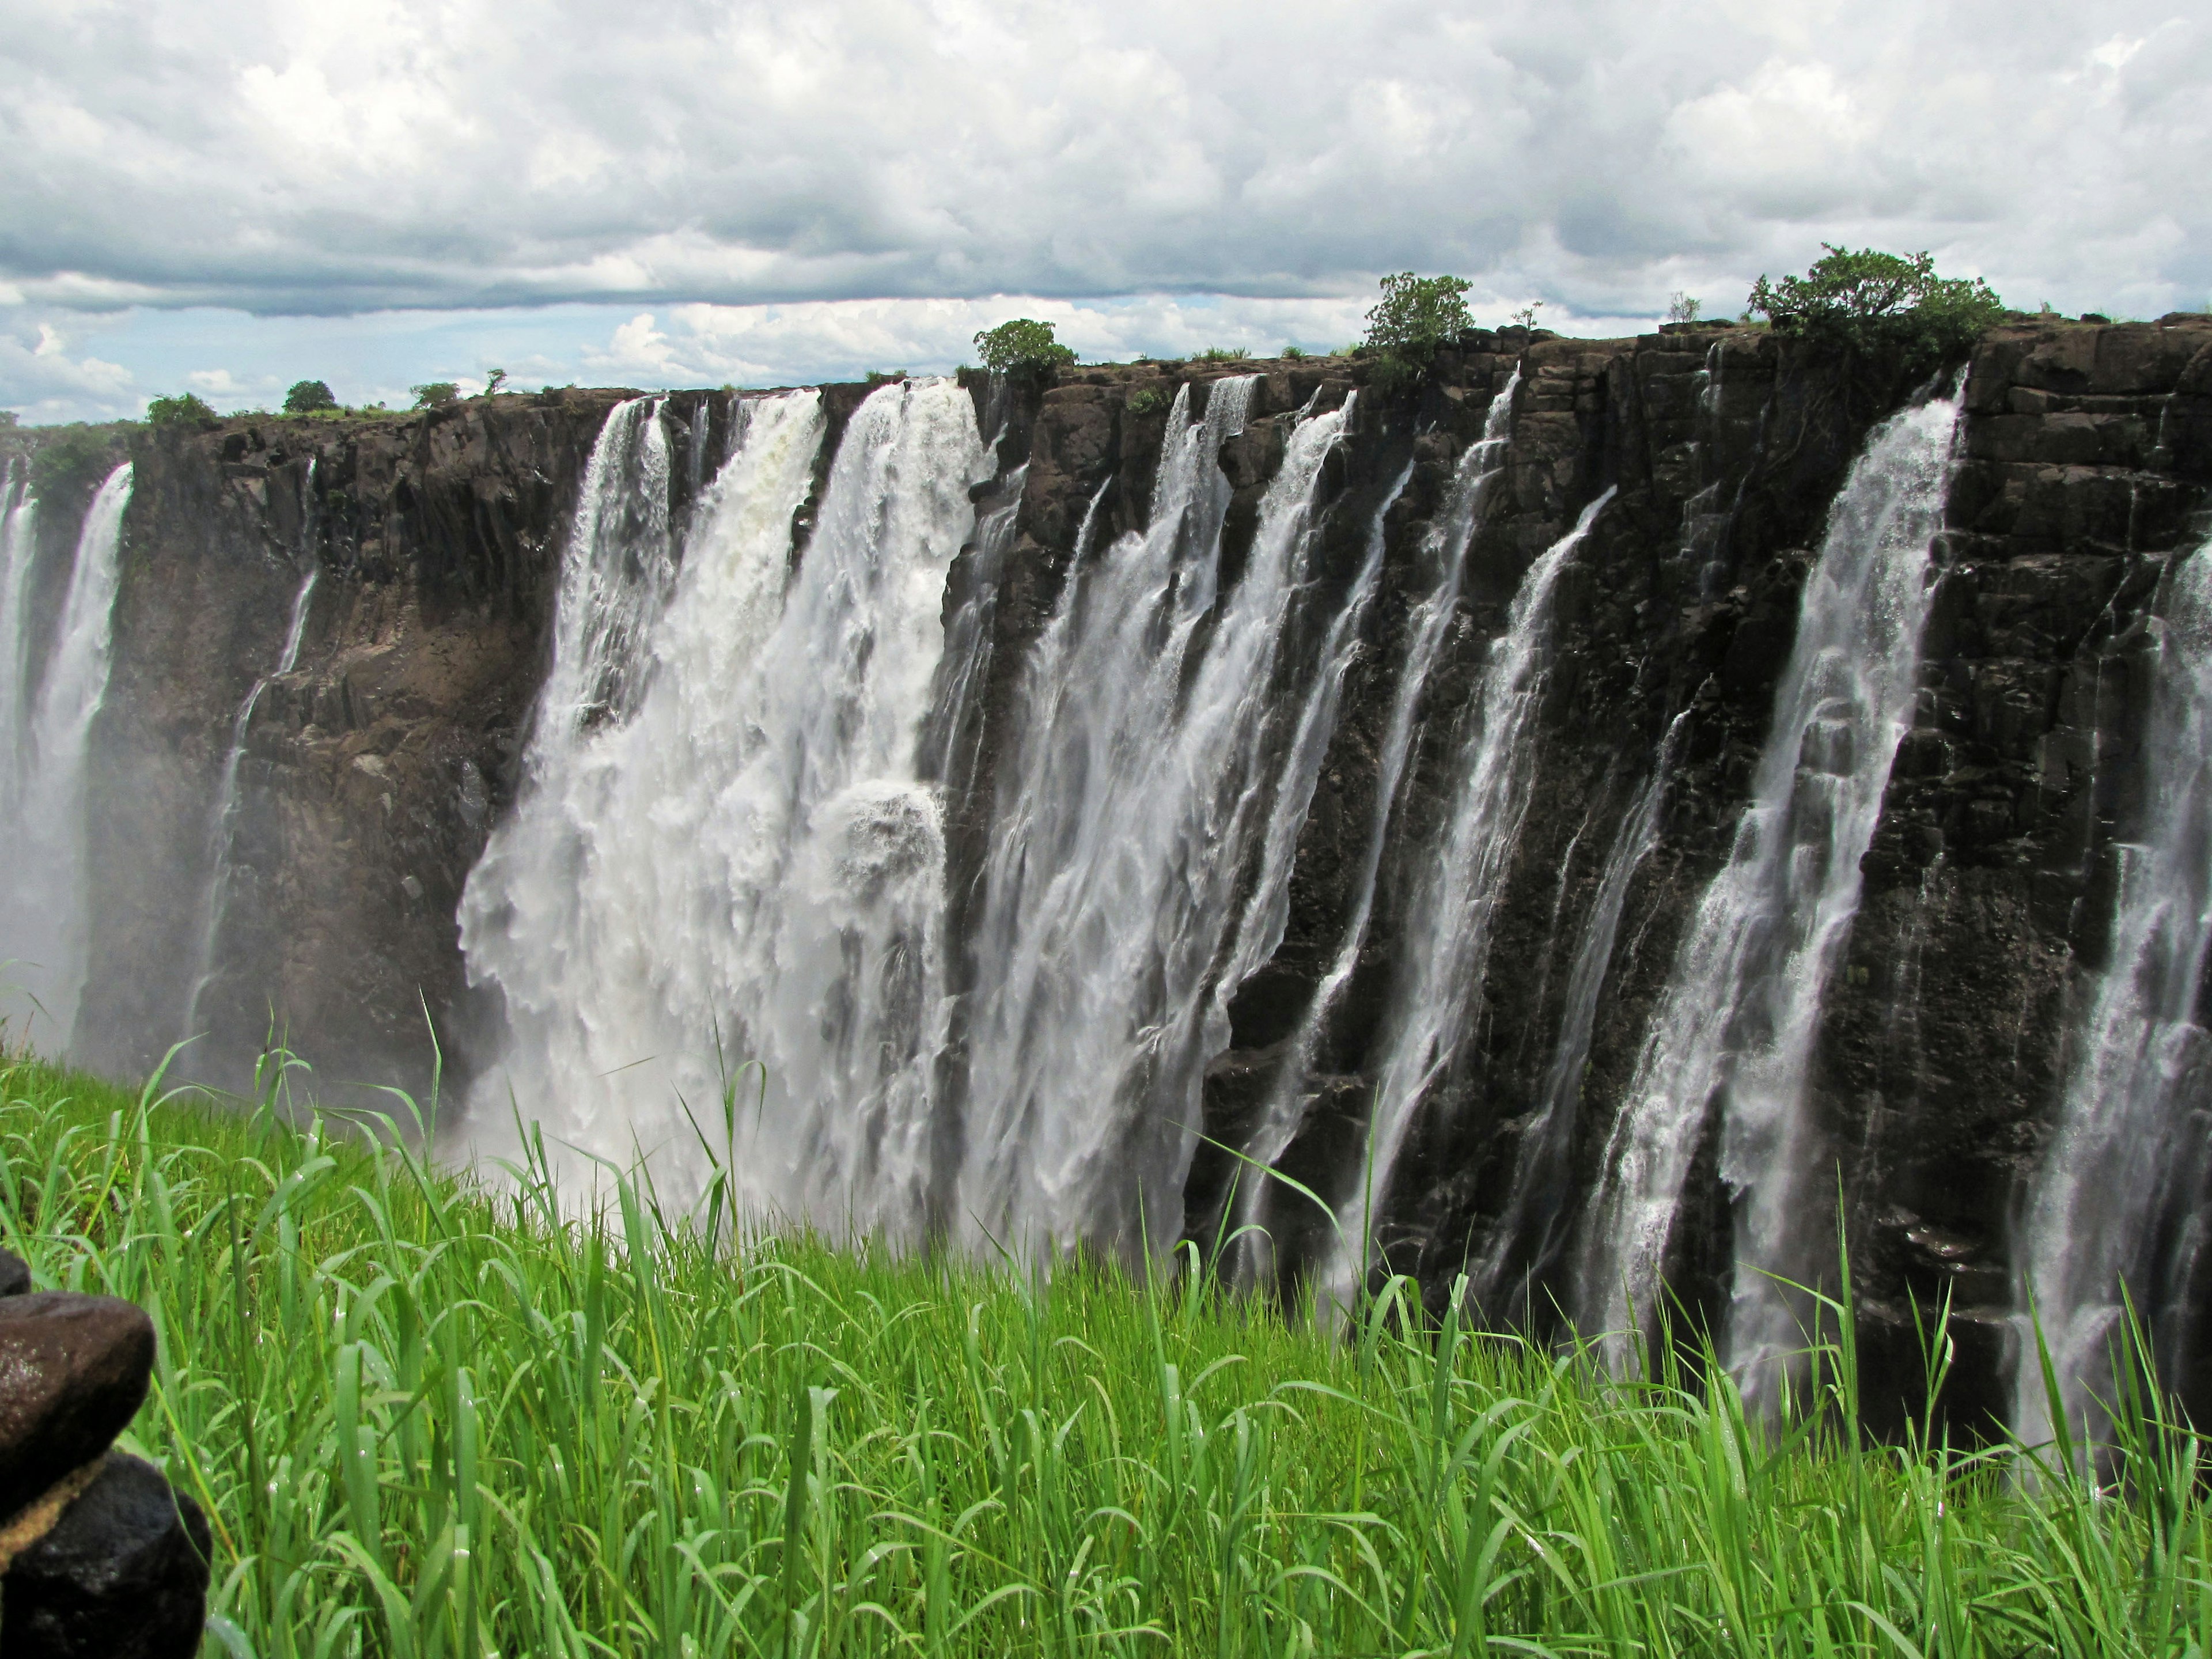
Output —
(19, 544)
(43, 915)
(2129, 1124)
(1742, 1005)
(723, 839)
(222, 821)
(1444, 552)
(1446, 948)
(1140, 791)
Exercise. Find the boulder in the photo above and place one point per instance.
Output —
(73, 1372)
(123, 1575)
(15, 1275)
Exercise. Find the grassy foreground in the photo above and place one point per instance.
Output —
(428, 1419)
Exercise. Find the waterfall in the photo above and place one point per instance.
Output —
(43, 919)
(1446, 947)
(1444, 555)
(19, 546)
(2126, 1122)
(222, 820)
(1137, 795)
(1527, 1239)
(1741, 1006)
(723, 846)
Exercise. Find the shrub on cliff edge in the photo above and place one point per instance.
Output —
(1021, 343)
(185, 409)
(1415, 317)
(1865, 300)
(306, 397)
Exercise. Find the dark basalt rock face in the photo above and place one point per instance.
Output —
(123, 1574)
(374, 771)
(73, 1372)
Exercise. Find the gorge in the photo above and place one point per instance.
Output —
(1600, 820)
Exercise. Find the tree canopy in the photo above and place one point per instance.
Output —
(1024, 343)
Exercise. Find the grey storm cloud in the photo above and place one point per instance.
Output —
(343, 157)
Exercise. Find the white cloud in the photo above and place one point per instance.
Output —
(455, 154)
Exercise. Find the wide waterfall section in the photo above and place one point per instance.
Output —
(1142, 788)
(724, 851)
(44, 911)
(1735, 1026)
(1446, 950)
(2129, 1133)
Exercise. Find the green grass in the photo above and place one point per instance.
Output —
(431, 1419)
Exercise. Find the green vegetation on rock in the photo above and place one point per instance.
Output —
(308, 398)
(1415, 317)
(441, 1419)
(185, 409)
(1869, 301)
(435, 394)
(1021, 343)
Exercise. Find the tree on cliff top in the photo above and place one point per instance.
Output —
(185, 409)
(306, 397)
(1024, 343)
(1415, 316)
(1871, 301)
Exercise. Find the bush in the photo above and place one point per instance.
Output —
(1224, 354)
(306, 397)
(1148, 400)
(1023, 343)
(435, 395)
(1416, 315)
(1682, 307)
(70, 463)
(1871, 301)
(183, 410)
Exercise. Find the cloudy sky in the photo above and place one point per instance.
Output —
(657, 192)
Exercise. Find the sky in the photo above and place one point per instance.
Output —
(377, 193)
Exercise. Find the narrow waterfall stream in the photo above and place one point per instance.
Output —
(222, 820)
(1141, 789)
(1438, 975)
(724, 849)
(43, 911)
(1741, 1007)
(2107, 1182)
(1444, 554)
(1525, 1243)
(19, 543)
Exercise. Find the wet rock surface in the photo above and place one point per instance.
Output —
(73, 1372)
(123, 1575)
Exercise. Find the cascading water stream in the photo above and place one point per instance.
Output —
(43, 910)
(222, 821)
(1447, 948)
(1445, 552)
(2106, 1180)
(19, 545)
(1138, 793)
(724, 846)
(1525, 1243)
(1742, 1004)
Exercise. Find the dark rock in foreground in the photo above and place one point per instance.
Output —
(124, 1575)
(73, 1373)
